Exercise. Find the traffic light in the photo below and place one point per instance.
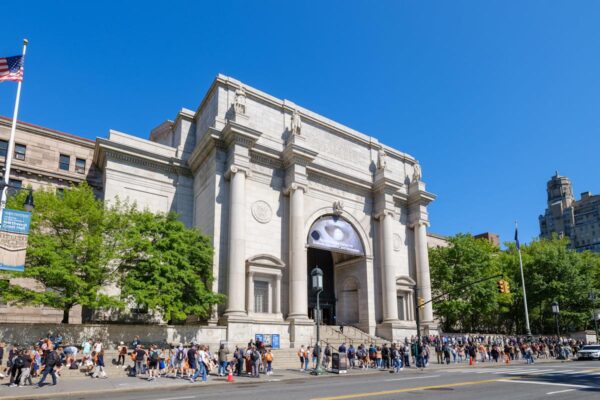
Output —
(503, 286)
(500, 284)
(421, 303)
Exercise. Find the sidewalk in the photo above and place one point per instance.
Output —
(80, 386)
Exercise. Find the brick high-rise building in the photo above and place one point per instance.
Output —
(579, 220)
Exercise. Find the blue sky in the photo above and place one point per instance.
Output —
(491, 96)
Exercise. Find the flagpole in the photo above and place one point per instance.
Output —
(11, 141)
(527, 328)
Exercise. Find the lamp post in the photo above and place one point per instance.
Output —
(28, 204)
(317, 287)
(556, 312)
(593, 298)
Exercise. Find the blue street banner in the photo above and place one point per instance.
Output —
(14, 232)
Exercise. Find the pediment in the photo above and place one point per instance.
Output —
(265, 260)
(405, 280)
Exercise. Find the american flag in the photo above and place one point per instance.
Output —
(11, 69)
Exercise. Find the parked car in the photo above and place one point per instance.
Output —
(590, 352)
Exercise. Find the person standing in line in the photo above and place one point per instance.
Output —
(301, 354)
(223, 353)
(153, 360)
(140, 359)
(100, 372)
(27, 363)
(269, 360)
(122, 349)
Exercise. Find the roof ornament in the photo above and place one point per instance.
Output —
(239, 104)
(296, 126)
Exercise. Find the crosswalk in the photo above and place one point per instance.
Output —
(528, 371)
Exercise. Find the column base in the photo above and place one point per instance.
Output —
(397, 330)
(233, 316)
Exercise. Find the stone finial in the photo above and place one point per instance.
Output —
(381, 161)
(239, 104)
(417, 175)
(296, 126)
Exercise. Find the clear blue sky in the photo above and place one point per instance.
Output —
(491, 96)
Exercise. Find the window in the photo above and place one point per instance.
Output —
(3, 148)
(20, 150)
(261, 297)
(401, 315)
(64, 161)
(80, 166)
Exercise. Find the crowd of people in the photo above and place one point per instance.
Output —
(447, 349)
(193, 362)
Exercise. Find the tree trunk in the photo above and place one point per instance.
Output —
(66, 312)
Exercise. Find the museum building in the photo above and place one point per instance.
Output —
(280, 190)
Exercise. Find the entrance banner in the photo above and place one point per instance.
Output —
(336, 234)
(13, 239)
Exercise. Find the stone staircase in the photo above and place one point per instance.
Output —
(350, 335)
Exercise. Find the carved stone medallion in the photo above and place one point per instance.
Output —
(261, 211)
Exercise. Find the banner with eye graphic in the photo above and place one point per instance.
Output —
(333, 233)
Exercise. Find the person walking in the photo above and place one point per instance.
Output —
(16, 368)
(51, 360)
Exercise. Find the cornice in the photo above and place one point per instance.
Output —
(209, 141)
(105, 148)
(234, 132)
(49, 133)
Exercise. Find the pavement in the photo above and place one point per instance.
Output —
(542, 380)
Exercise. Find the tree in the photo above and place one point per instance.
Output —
(167, 267)
(552, 271)
(73, 241)
(468, 307)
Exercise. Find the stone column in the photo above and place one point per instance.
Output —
(236, 294)
(277, 295)
(297, 243)
(423, 279)
(388, 272)
(250, 293)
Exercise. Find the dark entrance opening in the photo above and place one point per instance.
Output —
(324, 259)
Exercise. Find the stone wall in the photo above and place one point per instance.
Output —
(112, 334)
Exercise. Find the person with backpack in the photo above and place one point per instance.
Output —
(255, 359)
(239, 358)
(203, 361)
(16, 369)
(327, 357)
(51, 360)
(269, 361)
(397, 360)
(178, 359)
(153, 360)
(26, 370)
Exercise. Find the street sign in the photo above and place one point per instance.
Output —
(13, 239)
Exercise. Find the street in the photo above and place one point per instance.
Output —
(573, 380)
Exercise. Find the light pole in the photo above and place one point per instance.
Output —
(317, 287)
(556, 312)
(27, 204)
(594, 316)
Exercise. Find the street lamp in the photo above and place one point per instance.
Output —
(28, 204)
(317, 287)
(556, 312)
(594, 315)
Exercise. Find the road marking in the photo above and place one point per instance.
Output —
(179, 398)
(413, 389)
(545, 383)
(561, 391)
(417, 377)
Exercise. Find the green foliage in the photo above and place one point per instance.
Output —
(552, 272)
(467, 307)
(78, 248)
(72, 241)
(168, 267)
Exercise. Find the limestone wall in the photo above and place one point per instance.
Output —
(110, 335)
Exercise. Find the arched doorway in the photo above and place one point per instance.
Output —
(335, 246)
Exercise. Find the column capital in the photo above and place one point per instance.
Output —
(295, 186)
(420, 223)
(384, 213)
(234, 169)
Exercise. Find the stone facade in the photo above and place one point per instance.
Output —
(256, 174)
(37, 163)
(579, 220)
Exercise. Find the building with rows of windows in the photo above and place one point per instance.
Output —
(579, 220)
